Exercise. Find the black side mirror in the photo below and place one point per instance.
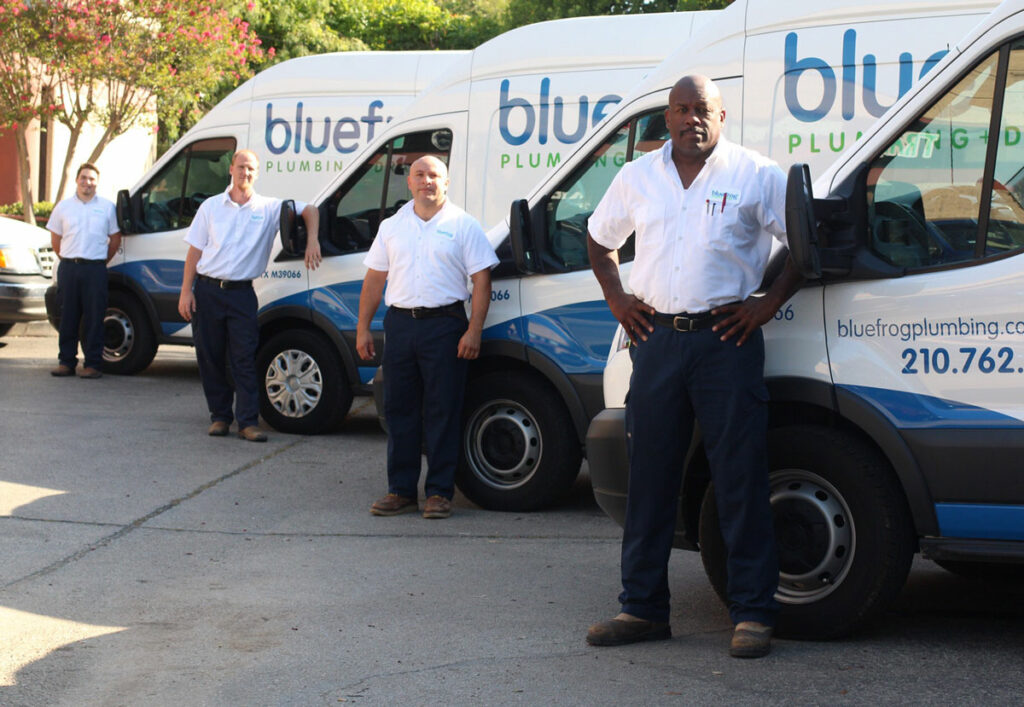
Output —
(125, 223)
(293, 230)
(521, 237)
(801, 224)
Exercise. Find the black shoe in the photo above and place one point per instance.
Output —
(616, 632)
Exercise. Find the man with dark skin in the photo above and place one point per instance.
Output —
(704, 211)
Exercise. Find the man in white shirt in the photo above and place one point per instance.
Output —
(229, 245)
(425, 252)
(83, 231)
(704, 211)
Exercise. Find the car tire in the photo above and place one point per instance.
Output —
(843, 532)
(5, 327)
(519, 451)
(303, 388)
(129, 343)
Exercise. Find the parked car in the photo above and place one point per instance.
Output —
(26, 270)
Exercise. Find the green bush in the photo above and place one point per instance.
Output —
(42, 209)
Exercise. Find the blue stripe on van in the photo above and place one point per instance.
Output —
(154, 275)
(984, 521)
(340, 304)
(576, 336)
(913, 411)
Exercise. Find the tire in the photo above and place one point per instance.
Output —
(984, 571)
(519, 449)
(5, 327)
(842, 527)
(303, 389)
(129, 344)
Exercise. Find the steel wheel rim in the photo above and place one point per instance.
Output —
(293, 383)
(815, 533)
(118, 335)
(503, 444)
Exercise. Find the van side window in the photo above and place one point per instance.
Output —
(377, 190)
(571, 204)
(171, 198)
(944, 193)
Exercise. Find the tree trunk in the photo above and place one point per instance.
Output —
(69, 156)
(25, 172)
(108, 135)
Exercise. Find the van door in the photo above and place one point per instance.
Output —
(939, 350)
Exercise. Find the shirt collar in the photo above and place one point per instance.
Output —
(715, 156)
(226, 199)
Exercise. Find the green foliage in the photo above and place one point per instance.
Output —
(42, 209)
(691, 5)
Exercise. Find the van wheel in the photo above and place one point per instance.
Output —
(5, 327)
(129, 344)
(303, 390)
(519, 449)
(842, 528)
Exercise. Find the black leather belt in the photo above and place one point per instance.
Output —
(225, 284)
(457, 309)
(82, 261)
(687, 322)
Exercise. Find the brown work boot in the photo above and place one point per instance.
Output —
(624, 629)
(252, 433)
(89, 373)
(62, 371)
(218, 428)
(393, 504)
(750, 640)
(437, 507)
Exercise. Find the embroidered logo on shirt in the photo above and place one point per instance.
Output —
(722, 198)
(447, 234)
(256, 217)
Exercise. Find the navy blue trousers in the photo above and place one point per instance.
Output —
(424, 384)
(679, 378)
(82, 292)
(224, 327)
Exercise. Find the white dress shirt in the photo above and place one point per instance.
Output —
(236, 238)
(428, 262)
(84, 227)
(700, 247)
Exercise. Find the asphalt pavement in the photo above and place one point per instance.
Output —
(144, 563)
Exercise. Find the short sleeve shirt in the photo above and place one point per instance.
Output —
(84, 227)
(700, 247)
(428, 262)
(236, 239)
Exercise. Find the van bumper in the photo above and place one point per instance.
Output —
(22, 299)
(609, 462)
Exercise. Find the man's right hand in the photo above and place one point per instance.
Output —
(633, 315)
(186, 305)
(364, 345)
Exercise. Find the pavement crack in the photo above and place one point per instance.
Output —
(139, 522)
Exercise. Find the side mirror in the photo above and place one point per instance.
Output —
(125, 223)
(293, 230)
(521, 237)
(801, 225)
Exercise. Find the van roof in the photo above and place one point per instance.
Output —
(334, 74)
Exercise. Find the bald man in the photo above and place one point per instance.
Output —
(229, 243)
(704, 211)
(426, 253)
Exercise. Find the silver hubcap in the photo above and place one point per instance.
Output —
(118, 335)
(294, 383)
(816, 536)
(503, 444)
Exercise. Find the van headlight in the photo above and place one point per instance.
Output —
(619, 342)
(19, 260)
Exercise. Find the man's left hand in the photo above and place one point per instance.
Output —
(744, 318)
(469, 345)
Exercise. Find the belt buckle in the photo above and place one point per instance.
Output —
(678, 327)
(417, 312)
(223, 284)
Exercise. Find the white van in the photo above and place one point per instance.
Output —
(501, 118)
(305, 118)
(897, 422)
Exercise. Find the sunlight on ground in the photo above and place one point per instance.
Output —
(15, 495)
(31, 637)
